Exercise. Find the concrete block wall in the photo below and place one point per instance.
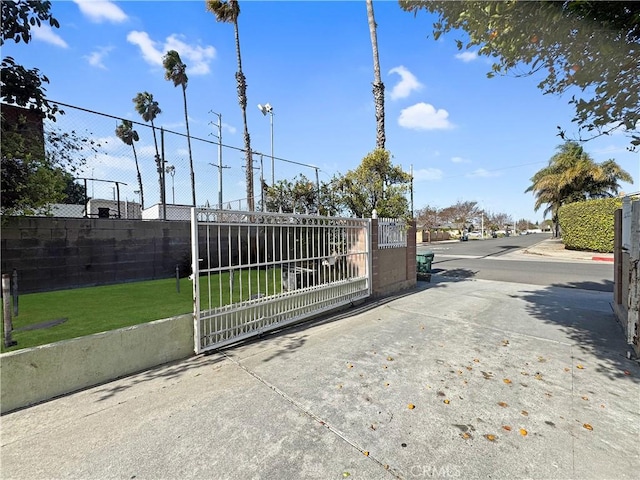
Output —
(57, 253)
(36, 374)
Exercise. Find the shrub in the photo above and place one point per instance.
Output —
(589, 225)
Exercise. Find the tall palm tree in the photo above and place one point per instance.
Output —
(176, 71)
(148, 109)
(378, 86)
(128, 135)
(228, 12)
(573, 176)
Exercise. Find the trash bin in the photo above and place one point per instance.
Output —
(423, 265)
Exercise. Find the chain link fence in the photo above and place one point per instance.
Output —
(147, 175)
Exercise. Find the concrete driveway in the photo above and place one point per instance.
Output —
(462, 379)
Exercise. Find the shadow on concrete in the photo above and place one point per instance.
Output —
(593, 329)
(169, 371)
(603, 286)
(454, 272)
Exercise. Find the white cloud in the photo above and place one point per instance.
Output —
(423, 116)
(408, 83)
(482, 173)
(96, 57)
(46, 34)
(196, 57)
(467, 56)
(147, 46)
(460, 160)
(99, 11)
(231, 129)
(427, 174)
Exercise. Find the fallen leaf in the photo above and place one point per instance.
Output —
(503, 404)
(523, 432)
(411, 406)
(384, 366)
(506, 380)
(386, 466)
(525, 413)
(601, 406)
(491, 438)
(390, 359)
(421, 327)
(476, 360)
(340, 386)
(366, 453)
(469, 368)
(580, 367)
(372, 427)
(386, 384)
(585, 398)
(526, 374)
(505, 343)
(465, 382)
(542, 359)
(538, 376)
(346, 474)
(465, 435)
(506, 427)
(587, 426)
(548, 394)
(446, 401)
(459, 372)
(349, 366)
(567, 369)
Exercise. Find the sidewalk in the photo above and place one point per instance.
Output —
(553, 247)
(462, 378)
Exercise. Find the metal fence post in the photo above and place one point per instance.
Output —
(6, 301)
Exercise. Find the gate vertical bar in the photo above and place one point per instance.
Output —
(195, 268)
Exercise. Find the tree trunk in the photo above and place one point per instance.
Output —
(159, 165)
(242, 100)
(186, 120)
(135, 157)
(378, 86)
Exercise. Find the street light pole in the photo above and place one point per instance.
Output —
(171, 170)
(267, 108)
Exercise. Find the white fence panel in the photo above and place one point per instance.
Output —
(256, 271)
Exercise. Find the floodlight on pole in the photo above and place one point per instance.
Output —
(267, 108)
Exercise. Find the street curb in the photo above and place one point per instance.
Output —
(602, 259)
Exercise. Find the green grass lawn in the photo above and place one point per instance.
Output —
(99, 309)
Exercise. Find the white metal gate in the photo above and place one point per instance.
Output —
(254, 271)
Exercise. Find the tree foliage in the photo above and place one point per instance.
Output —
(573, 176)
(38, 167)
(129, 136)
(24, 86)
(587, 48)
(375, 184)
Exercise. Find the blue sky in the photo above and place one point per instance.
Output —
(466, 136)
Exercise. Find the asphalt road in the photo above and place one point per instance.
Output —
(502, 259)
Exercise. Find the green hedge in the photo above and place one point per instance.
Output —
(589, 225)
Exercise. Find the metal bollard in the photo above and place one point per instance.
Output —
(14, 291)
(6, 303)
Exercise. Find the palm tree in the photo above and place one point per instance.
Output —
(128, 135)
(573, 176)
(378, 86)
(176, 71)
(148, 109)
(228, 12)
